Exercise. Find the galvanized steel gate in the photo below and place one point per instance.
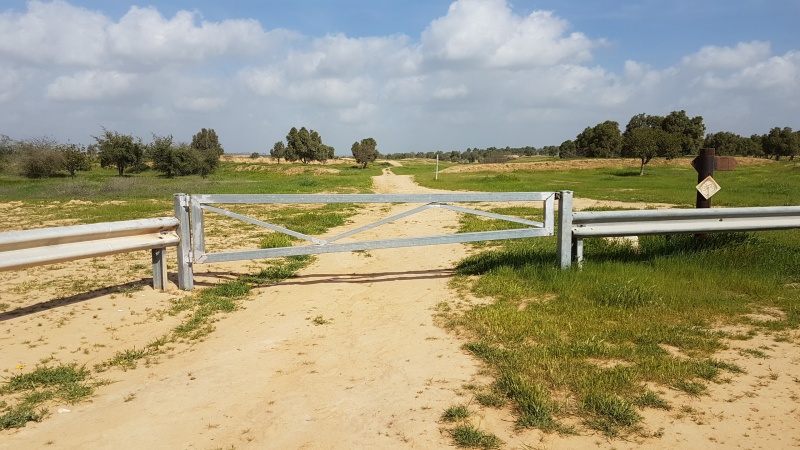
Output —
(189, 210)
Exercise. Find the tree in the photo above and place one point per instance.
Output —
(727, 143)
(780, 142)
(161, 153)
(119, 150)
(567, 149)
(641, 143)
(645, 138)
(365, 152)
(601, 141)
(689, 132)
(206, 143)
(724, 142)
(306, 146)
(75, 158)
(278, 151)
(207, 139)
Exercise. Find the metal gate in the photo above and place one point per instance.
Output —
(189, 210)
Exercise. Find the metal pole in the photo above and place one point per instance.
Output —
(437, 167)
(185, 275)
(565, 249)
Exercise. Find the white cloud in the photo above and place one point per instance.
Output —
(264, 82)
(91, 85)
(728, 58)
(201, 104)
(482, 74)
(54, 33)
(489, 34)
(359, 114)
(334, 92)
(450, 92)
(57, 33)
(145, 36)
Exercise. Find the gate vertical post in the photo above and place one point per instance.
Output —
(185, 274)
(198, 230)
(565, 249)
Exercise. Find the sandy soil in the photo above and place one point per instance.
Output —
(347, 355)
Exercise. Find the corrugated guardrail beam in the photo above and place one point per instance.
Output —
(575, 226)
(31, 248)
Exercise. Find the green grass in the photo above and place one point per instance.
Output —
(455, 413)
(30, 391)
(587, 342)
(468, 436)
(149, 194)
(774, 184)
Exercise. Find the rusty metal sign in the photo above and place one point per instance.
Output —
(708, 187)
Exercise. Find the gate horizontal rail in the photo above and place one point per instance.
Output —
(190, 208)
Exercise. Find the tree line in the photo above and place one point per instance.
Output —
(676, 134)
(645, 137)
(44, 157)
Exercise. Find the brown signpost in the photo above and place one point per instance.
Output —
(705, 164)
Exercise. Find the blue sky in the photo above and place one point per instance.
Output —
(415, 75)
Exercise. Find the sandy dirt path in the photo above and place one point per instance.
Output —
(344, 356)
(347, 355)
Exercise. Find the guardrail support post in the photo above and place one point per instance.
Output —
(160, 269)
(185, 273)
(565, 250)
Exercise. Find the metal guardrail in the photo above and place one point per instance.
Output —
(190, 208)
(589, 224)
(31, 248)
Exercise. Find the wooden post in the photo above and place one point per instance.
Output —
(704, 164)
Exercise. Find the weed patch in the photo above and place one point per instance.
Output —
(469, 436)
(30, 391)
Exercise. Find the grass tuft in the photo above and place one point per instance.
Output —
(469, 436)
(67, 383)
(455, 413)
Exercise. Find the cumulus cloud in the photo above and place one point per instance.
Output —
(480, 73)
(145, 36)
(450, 92)
(201, 104)
(728, 58)
(488, 33)
(91, 85)
(54, 33)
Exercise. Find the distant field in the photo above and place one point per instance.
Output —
(755, 182)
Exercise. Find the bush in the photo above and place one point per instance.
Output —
(38, 158)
